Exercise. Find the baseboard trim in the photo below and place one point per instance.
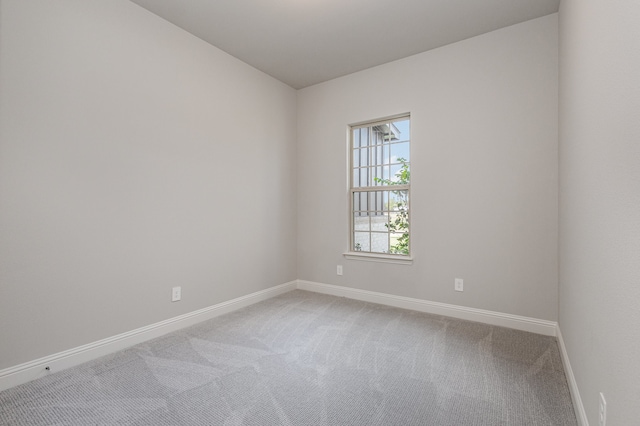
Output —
(578, 407)
(534, 325)
(32, 370)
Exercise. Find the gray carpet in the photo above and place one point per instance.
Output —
(308, 359)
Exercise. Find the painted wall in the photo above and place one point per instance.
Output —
(484, 172)
(134, 157)
(600, 202)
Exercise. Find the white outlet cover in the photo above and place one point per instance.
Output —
(459, 284)
(339, 270)
(176, 294)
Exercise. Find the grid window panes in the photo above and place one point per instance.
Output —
(380, 179)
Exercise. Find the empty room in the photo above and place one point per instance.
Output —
(320, 212)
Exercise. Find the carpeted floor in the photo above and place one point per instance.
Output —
(309, 359)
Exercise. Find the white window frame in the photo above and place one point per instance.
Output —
(375, 256)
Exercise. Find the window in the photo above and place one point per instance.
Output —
(380, 188)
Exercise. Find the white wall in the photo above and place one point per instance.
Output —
(600, 202)
(133, 157)
(484, 171)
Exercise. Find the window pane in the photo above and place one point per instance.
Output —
(372, 176)
(364, 136)
(373, 159)
(395, 220)
(364, 157)
(376, 200)
(399, 174)
(361, 222)
(363, 201)
(400, 151)
(399, 243)
(360, 177)
(394, 172)
(396, 235)
(402, 127)
(377, 176)
(360, 202)
(386, 170)
(380, 242)
(399, 200)
(379, 222)
(361, 241)
(377, 136)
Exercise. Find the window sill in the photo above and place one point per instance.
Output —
(382, 258)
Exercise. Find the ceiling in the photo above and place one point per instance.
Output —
(304, 42)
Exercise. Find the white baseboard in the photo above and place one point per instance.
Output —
(578, 407)
(534, 325)
(28, 371)
(35, 369)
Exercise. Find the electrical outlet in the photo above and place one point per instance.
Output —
(176, 294)
(459, 284)
(339, 270)
(602, 412)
